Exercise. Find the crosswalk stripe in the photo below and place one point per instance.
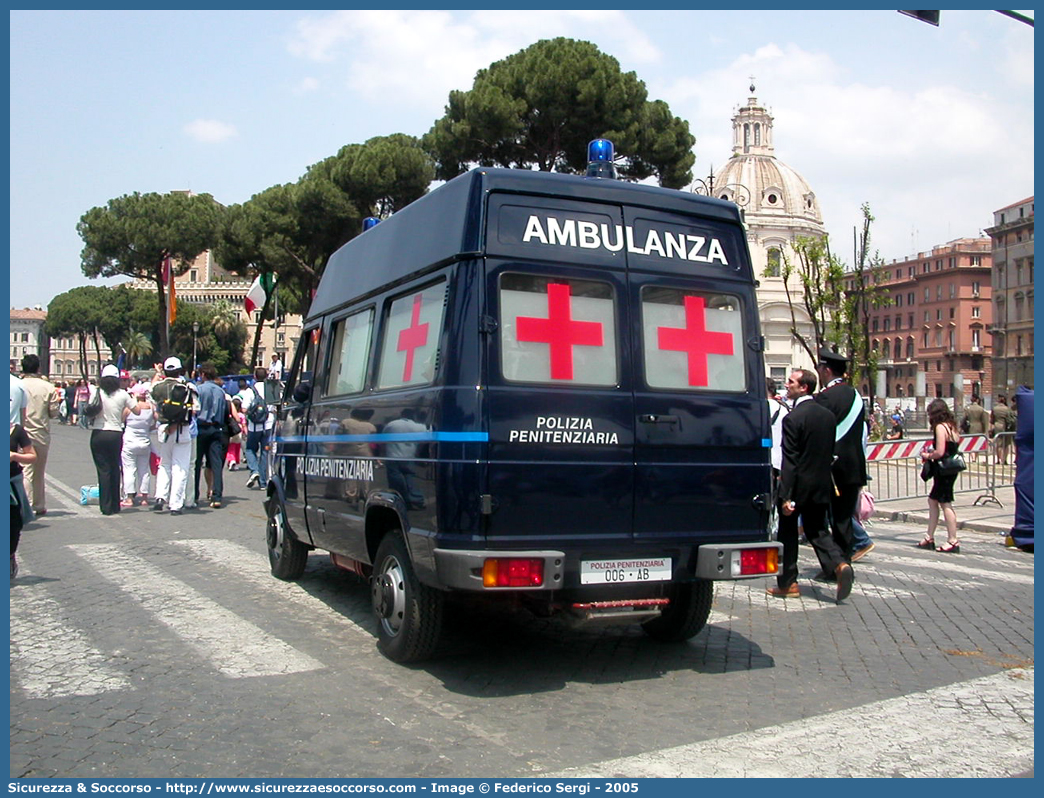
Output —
(65, 497)
(981, 728)
(234, 646)
(51, 659)
(991, 557)
(813, 597)
(251, 566)
(943, 568)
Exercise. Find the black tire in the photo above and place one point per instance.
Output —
(409, 614)
(287, 555)
(686, 615)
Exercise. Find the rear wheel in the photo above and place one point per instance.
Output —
(286, 554)
(409, 614)
(686, 615)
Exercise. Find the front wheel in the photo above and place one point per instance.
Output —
(409, 614)
(287, 555)
(686, 615)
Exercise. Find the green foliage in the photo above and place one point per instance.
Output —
(79, 313)
(220, 340)
(382, 176)
(541, 106)
(137, 346)
(291, 230)
(866, 295)
(840, 315)
(133, 235)
(819, 274)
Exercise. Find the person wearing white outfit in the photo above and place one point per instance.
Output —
(175, 445)
(137, 447)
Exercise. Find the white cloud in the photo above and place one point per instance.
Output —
(210, 131)
(1017, 65)
(420, 56)
(307, 86)
(924, 158)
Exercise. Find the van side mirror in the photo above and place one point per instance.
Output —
(303, 392)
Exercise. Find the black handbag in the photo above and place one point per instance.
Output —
(928, 470)
(951, 465)
(231, 425)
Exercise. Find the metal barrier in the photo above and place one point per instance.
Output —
(894, 467)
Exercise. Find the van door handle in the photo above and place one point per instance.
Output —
(649, 418)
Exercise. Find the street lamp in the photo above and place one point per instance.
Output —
(195, 332)
(738, 193)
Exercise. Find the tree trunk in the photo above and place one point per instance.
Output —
(97, 352)
(82, 337)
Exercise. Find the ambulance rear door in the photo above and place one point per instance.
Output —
(700, 449)
(559, 406)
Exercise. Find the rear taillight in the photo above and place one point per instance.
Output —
(513, 572)
(757, 561)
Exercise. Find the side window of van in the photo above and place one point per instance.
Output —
(692, 341)
(299, 384)
(412, 328)
(556, 330)
(349, 353)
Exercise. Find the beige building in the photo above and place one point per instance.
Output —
(206, 282)
(1012, 283)
(27, 336)
(59, 357)
(779, 206)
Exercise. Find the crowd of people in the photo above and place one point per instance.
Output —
(140, 429)
(170, 424)
(820, 475)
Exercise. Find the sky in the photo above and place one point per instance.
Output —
(932, 126)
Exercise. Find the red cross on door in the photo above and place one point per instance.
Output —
(696, 340)
(560, 331)
(412, 338)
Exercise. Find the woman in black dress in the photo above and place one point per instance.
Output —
(947, 438)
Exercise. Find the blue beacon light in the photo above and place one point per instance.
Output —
(600, 157)
(369, 221)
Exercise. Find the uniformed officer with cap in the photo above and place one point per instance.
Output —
(849, 469)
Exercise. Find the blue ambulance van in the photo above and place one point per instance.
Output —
(533, 387)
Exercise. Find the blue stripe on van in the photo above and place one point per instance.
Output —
(424, 437)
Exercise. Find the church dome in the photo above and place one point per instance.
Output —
(758, 181)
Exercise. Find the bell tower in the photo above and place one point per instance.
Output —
(752, 128)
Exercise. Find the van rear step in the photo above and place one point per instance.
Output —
(620, 611)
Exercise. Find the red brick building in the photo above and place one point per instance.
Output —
(932, 338)
(1012, 329)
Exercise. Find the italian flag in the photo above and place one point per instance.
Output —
(259, 290)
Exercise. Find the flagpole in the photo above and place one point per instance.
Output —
(166, 316)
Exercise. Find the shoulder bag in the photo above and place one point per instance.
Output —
(928, 469)
(231, 424)
(951, 465)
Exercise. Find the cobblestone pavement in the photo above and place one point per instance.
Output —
(147, 645)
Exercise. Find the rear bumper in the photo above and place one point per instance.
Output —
(458, 569)
(462, 570)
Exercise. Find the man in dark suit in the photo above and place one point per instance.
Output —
(849, 469)
(806, 488)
